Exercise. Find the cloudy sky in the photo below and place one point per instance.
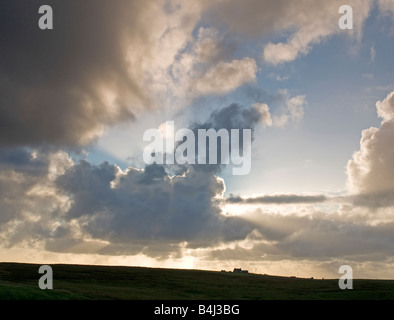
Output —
(75, 102)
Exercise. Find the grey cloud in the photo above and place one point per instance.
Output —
(234, 116)
(89, 186)
(252, 17)
(277, 199)
(153, 173)
(315, 237)
(19, 173)
(374, 200)
(302, 22)
(332, 238)
(23, 160)
(30, 207)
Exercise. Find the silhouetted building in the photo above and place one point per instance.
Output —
(236, 270)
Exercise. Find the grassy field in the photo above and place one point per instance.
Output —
(80, 282)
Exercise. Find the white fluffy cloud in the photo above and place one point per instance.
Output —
(292, 110)
(385, 108)
(371, 170)
(265, 113)
(208, 67)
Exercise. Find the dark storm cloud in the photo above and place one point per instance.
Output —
(53, 82)
(90, 187)
(85, 208)
(148, 205)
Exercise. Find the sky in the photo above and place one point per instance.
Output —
(76, 100)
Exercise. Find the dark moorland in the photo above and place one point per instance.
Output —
(79, 282)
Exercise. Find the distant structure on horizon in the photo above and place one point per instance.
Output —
(236, 270)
